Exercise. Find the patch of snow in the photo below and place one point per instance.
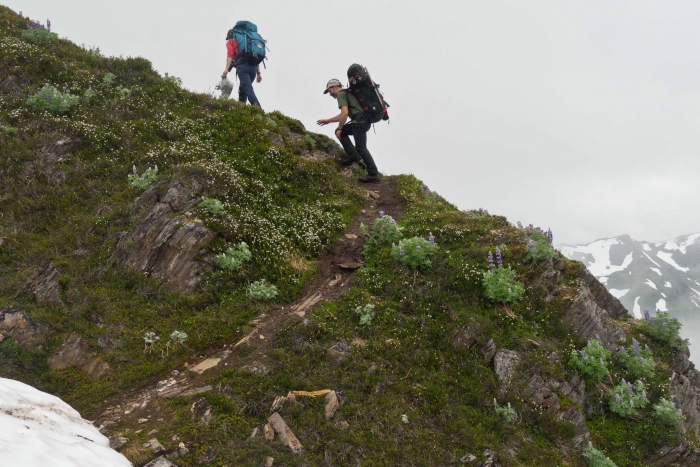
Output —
(657, 271)
(603, 280)
(649, 257)
(698, 293)
(683, 246)
(637, 310)
(650, 284)
(600, 251)
(646, 246)
(668, 284)
(661, 305)
(40, 430)
(618, 293)
(663, 294)
(668, 259)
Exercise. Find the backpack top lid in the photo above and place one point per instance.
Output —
(246, 26)
(356, 69)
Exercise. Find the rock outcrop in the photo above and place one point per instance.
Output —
(685, 395)
(75, 351)
(165, 243)
(44, 285)
(602, 297)
(14, 324)
(49, 156)
(590, 321)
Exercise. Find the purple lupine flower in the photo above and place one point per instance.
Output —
(635, 344)
(646, 347)
(550, 237)
(624, 383)
(431, 239)
(664, 324)
(520, 226)
(644, 394)
(647, 315)
(687, 339)
(393, 222)
(166, 74)
(675, 319)
(585, 358)
(622, 349)
(641, 359)
(530, 245)
(48, 24)
(651, 321)
(47, 96)
(629, 387)
(402, 253)
(617, 398)
(499, 258)
(20, 13)
(590, 344)
(381, 213)
(582, 352)
(65, 89)
(490, 260)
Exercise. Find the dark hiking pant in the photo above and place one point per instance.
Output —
(246, 75)
(358, 130)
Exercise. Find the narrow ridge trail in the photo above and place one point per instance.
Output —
(332, 279)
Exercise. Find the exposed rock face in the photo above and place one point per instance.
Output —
(14, 324)
(49, 156)
(587, 319)
(685, 395)
(504, 363)
(284, 433)
(74, 351)
(161, 462)
(44, 285)
(602, 297)
(167, 240)
(489, 350)
(679, 456)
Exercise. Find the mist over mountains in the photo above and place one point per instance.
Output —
(662, 276)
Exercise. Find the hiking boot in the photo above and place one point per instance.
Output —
(369, 179)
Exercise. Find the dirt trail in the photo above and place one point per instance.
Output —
(335, 270)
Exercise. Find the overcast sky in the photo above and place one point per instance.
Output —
(579, 116)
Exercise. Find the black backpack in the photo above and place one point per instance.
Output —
(367, 92)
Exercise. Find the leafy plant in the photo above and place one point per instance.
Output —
(36, 33)
(500, 284)
(384, 231)
(414, 252)
(596, 458)
(667, 413)
(626, 399)
(51, 99)
(404, 419)
(9, 130)
(540, 248)
(213, 206)
(144, 180)
(108, 79)
(262, 290)
(123, 92)
(310, 142)
(505, 411)
(638, 362)
(662, 326)
(174, 79)
(178, 337)
(234, 257)
(366, 313)
(149, 340)
(88, 94)
(591, 360)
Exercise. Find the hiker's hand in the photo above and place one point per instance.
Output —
(323, 122)
(259, 78)
(223, 75)
(338, 132)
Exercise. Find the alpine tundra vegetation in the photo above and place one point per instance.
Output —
(191, 273)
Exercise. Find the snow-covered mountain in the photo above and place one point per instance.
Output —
(661, 276)
(40, 430)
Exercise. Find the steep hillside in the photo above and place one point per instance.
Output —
(248, 304)
(661, 276)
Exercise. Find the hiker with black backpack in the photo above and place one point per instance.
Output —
(245, 51)
(364, 105)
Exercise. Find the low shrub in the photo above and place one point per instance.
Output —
(144, 180)
(310, 142)
(213, 206)
(499, 283)
(414, 252)
(234, 257)
(661, 327)
(36, 33)
(10, 130)
(51, 99)
(539, 247)
(591, 360)
(596, 458)
(667, 413)
(638, 362)
(262, 290)
(366, 313)
(505, 411)
(384, 231)
(626, 399)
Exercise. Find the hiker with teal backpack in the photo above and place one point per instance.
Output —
(245, 51)
(364, 105)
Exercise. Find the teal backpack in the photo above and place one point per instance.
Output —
(250, 45)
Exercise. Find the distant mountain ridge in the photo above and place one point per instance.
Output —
(662, 276)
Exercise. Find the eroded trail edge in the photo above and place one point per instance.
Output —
(335, 270)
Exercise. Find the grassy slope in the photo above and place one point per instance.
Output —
(445, 390)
